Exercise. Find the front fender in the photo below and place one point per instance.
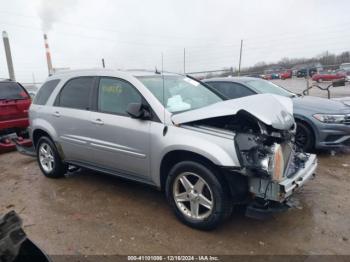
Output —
(219, 150)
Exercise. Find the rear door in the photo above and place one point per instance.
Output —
(14, 104)
(70, 117)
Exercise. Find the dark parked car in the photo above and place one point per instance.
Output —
(321, 123)
(303, 72)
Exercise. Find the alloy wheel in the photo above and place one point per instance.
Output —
(46, 157)
(193, 196)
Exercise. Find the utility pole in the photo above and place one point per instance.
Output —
(240, 59)
(33, 77)
(162, 63)
(184, 61)
(103, 63)
(307, 80)
(8, 56)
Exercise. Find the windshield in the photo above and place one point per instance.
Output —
(11, 90)
(180, 93)
(266, 87)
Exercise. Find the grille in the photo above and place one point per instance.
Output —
(347, 142)
(332, 138)
(347, 120)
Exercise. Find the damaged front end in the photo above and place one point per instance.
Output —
(262, 126)
(275, 167)
(270, 160)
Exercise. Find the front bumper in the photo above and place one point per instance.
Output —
(333, 136)
(279, 191)
(289, 185)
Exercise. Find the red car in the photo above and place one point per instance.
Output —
(328, 76)
(14, 105)
(286, 74)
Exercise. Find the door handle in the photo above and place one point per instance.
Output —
(98, 121)
(56, 114)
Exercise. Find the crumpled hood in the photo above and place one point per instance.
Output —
(273, 110)
(321, 105)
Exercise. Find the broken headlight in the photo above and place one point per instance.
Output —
(273, 163)
(277, 165)
(265, 160)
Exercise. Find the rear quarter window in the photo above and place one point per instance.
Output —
(45, 91)
(12, 90)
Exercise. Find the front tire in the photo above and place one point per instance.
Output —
(304, 137)
(197, 195)
(49, 160)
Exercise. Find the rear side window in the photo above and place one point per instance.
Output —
(231, 90)
(45, 91)
(12, 90)
(76, 93)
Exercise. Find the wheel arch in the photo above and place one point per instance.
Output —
(39, 132)
(309, 124)
(173, 157)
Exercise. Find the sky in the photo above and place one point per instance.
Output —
(133, 34)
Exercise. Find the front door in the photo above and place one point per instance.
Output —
(121, 143)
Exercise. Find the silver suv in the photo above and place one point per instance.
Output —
(175, 133)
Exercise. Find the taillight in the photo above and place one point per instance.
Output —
(23, 94)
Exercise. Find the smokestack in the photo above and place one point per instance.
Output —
(8, 56)
(48, 55)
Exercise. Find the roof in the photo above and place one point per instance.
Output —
(108, 72)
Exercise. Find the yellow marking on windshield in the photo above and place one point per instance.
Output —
(113, 89)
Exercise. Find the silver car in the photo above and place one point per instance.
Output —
(175, 133)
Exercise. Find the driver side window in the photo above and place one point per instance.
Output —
(114, 96)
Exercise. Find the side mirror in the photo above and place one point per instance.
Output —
(339, 82)
(138, 110)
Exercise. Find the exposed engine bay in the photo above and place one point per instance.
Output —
(264, 151)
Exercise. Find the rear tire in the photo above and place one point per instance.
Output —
(304, 137)
(49, 160)
(197, 195)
